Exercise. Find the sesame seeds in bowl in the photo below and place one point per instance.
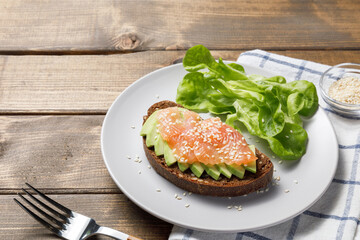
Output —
(340, 88)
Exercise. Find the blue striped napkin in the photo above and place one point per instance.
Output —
(336, 214)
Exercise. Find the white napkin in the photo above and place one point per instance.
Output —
(336, 214)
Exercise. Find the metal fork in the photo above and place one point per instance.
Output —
(67, 224)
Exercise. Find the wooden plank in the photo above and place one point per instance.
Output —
(88, 84)
(75, 83)
(111, 26)
(111, 210)
(53, 152)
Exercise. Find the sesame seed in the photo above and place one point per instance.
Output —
(184, 194)
(149, 167)
(286, 190)
(128, 156)
(157, 96)
(133, 127)
(187, 205)
(139, 172)
(158, 190)
(229, 207)
(296, 181)
(280, 162)
(179, 198)
(190, 193)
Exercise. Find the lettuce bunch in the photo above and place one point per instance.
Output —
(269, 108)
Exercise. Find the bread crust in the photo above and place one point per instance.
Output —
(206, 185)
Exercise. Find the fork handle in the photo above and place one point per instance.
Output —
(114, 234)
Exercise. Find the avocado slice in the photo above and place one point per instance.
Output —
(197, 169)
(149, 124)
(212, 171)
(224, 170)
(251, 167)
(252, 148)
(183, 166)
(159, 145)
(151, 136)
(169, 155)
(237, 170)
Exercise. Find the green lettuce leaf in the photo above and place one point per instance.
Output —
(290, 143)
(199, 57)
(269, 108)
(195, 92)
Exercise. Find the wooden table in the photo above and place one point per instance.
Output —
(63, 63)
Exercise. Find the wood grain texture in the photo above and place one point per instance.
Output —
(119, 26)
(111, 210)
(53, 152)
(88, 84)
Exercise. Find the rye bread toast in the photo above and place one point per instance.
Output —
(206, 185)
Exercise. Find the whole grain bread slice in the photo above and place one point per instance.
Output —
(206, 185)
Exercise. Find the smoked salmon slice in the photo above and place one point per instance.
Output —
(208, 141)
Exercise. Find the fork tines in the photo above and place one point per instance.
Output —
(57, 224)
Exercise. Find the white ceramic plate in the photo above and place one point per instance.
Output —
(306, 179)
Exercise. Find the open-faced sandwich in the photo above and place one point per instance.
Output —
(202, 156)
